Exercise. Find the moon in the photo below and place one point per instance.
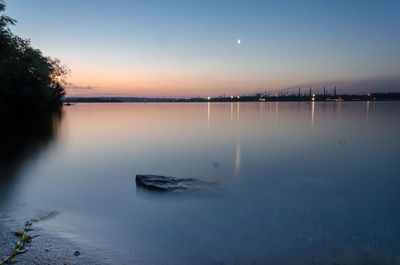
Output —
(238, 41)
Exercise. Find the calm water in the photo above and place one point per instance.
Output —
(299, 183)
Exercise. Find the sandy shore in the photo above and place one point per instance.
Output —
(45, 248)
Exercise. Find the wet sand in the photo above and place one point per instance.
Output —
(45, 248)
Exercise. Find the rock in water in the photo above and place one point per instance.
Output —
(163, 183)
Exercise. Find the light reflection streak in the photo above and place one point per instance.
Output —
(231, 112)
(312, 114)
(237, 158)
(208, 113)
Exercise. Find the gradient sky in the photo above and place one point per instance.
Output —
(188, 48)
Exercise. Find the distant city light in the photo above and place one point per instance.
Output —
(238, 97)
(208, 98)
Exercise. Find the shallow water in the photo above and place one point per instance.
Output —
(299, 183)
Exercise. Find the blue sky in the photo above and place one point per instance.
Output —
(189, 47)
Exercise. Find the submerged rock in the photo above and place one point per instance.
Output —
(163, 183)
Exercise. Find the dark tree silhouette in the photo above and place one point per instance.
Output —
(26, 75)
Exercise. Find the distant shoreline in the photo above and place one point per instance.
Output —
(254, 98)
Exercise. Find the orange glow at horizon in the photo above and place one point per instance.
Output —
(170, 82)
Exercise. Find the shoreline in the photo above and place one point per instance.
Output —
(253, 98)
(44, 248)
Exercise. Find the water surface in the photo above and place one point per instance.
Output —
(303, 183)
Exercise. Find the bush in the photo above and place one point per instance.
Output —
(26, 75)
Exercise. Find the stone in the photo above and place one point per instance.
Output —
(163, 183)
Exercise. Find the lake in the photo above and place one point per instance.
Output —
(297, 183)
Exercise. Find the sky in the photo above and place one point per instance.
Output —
(187, 48)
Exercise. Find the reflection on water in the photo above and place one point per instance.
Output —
(23, 135)
(231, 113)
(208, 113)
(292, 193)
(237, 159)
(312, 113)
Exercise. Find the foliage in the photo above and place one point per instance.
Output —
(19, 246)
(26, 75)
